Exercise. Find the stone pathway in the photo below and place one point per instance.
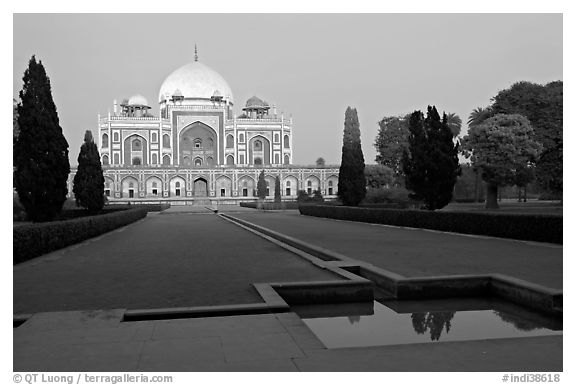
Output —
(187, 256)
(183, 259)
(98, 341)
(420, 253)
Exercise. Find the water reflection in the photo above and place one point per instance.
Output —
(434, 322)
(404, 322)
(518, 322)
(354, 319)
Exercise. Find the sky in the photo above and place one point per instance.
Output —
(311, 66)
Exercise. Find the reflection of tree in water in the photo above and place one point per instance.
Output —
(519, 323)
(433, 322)
(353, 319)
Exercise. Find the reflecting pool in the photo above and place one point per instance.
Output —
(407, 322)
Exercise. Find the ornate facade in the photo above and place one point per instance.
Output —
(198, 149)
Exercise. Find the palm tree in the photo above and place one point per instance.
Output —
(454, 123)
(479, 115)
(476, 117)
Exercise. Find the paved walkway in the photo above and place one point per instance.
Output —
(187, 256)
(420, 253)
(98, 341)
(176, 258)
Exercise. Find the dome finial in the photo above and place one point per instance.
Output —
(195, 53)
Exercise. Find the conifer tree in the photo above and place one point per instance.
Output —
(431, 162)
(261, 186)
(277, 196)
(89, 179)
(41, 164)
(351, 181)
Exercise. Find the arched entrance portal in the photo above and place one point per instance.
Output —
(200, 187)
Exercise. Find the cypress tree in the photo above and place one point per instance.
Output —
(277, 196)
(351, 181)
(431, 163)
(89, 179)
(261, 186)
(41, 151)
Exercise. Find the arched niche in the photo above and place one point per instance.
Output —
(197, 140)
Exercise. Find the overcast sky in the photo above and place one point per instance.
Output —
(310, 66)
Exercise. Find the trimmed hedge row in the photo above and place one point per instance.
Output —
(271, 205)
(539, 228)
(33, 240)
(148, 207)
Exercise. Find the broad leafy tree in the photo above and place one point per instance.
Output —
(89, 180)
(41, 164)
(261, 186)
(391, 142)
(523, 176)
(277, 196)
(351, 181)
(543, 106)
(378, 175)
(431, 163)
(499, 147)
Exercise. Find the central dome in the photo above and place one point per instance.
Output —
(195, 80)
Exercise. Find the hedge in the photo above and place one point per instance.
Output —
(271, 205)
(529, 227)
(149, 207)
(33, 240)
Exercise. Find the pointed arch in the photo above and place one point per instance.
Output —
(135, 146)
(224, 186)
(259, 149)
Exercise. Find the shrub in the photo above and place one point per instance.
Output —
(148, 207)
(317, 197)
(539, 228)
(33, 240)
(270, 205)
(302, 196)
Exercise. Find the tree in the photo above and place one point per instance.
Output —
(378, 175)
(15, 127)
(522, 176)
(320, 162)
(454, 123)
(89, 180)
(499, 147)
(261, 187)
(479, 115)
(543, 106)
(351, 181)
(434, 322)
(41, 151)
(431, 164)
(277, 196)
(468, 187)
(391, 142)
(476, 117)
